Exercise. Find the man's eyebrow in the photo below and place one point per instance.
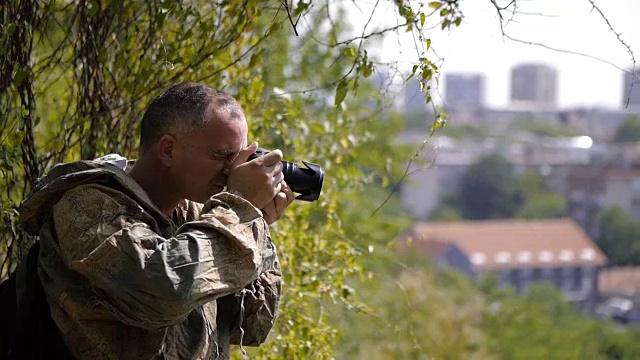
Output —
(224, 153)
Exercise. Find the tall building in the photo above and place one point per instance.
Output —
(464, 91)
(631, 93)
(534, 85)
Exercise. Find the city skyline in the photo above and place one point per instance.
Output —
(478, 47)
(541, 77)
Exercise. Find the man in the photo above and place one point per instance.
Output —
(169, 256)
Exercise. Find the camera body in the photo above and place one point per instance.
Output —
(305, 181)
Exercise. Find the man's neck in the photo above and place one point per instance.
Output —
(146, 174)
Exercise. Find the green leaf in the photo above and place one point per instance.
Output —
(274, 27)
(119, 61)
(458, 21)
(103, 57)
(444, 12)
(21, 74)
(367, 70)
(435, 5)
(10, 30)
(255, 58)
(405, 11)
(302, 7)
(341, 91)
(423, 18)
(349, 52)
(428, 44)
(438, 123)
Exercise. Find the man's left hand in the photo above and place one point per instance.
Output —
(274, 209)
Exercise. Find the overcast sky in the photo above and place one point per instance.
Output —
(478, 47)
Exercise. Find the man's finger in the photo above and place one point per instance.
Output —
(244, 154)
(276, 169)
(287, 191)
(281, 203)
(278, 180)
(269, 212)
(272, 158)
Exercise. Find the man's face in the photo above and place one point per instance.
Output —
(204, 156)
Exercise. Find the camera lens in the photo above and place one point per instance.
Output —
(305, 181)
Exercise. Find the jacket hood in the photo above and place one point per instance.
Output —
(108, 170)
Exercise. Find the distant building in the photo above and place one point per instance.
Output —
(619, 294)
(598, 123)
(463, 91)
(631, 90)
(624, 280)
(534, 85)
(590, 189)
(518, 253)
(421, 193)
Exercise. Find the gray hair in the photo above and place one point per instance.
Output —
(181, 108)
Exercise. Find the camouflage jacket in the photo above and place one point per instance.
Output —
(123, 281)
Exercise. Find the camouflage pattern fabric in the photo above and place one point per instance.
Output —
(123, 281)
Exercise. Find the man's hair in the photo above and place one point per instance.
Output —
(181, 108)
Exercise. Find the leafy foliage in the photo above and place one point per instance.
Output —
(446, 212)
(544, 206)
(540, 201)
(431, 316)
(446, 315)
(628, 131)
(489, 190)
(544, 128)
(619, 237)
(543, 324)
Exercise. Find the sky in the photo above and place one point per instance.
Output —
(477, 46)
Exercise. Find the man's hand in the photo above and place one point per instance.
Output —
(259, 180)
(274, 209)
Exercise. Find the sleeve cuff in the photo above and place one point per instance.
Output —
(234, 201)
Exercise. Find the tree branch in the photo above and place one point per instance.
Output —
(621, 41)
(290, 16)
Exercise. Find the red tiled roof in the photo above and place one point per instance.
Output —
(621, 279)
(515, 243)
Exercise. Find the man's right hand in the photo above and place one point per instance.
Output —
(258, 180)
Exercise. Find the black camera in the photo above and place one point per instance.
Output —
(306, 182)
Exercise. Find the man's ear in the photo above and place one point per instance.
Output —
(166, 148)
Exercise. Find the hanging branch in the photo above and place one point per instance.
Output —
(621, 41)
(290, 16)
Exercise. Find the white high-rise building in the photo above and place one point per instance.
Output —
(534, 85)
